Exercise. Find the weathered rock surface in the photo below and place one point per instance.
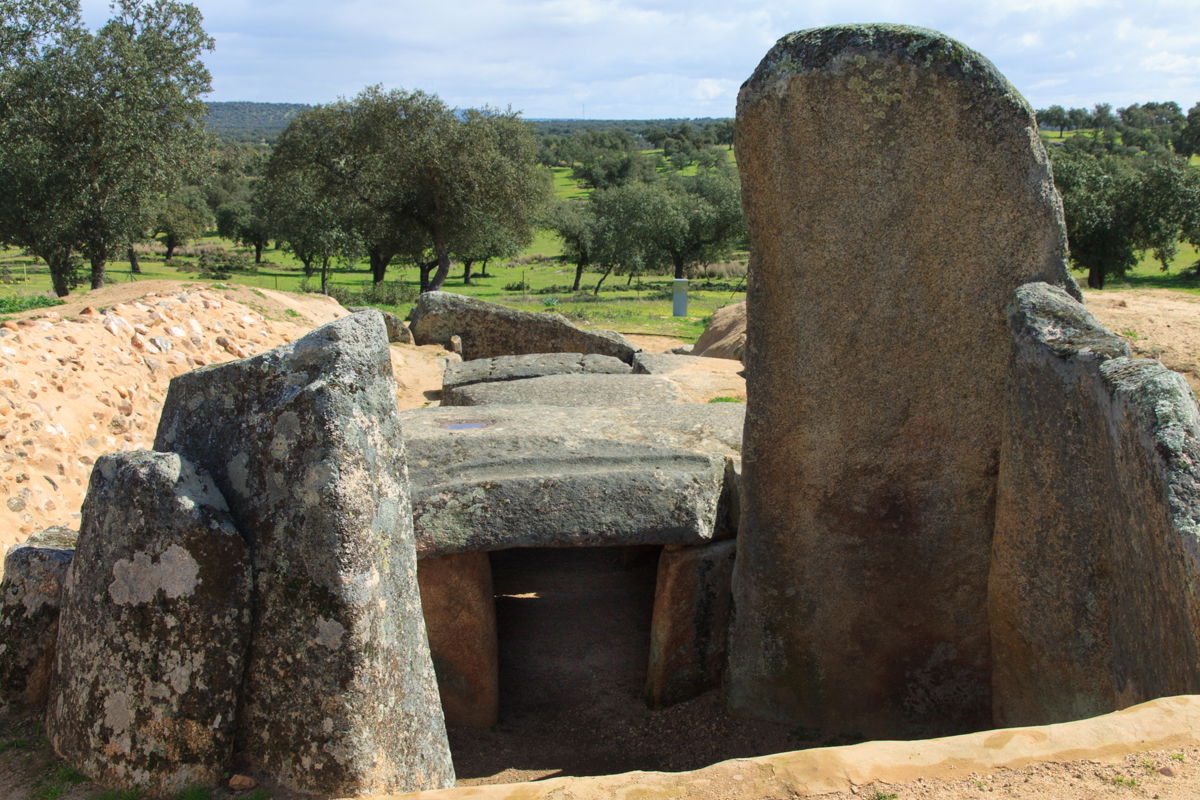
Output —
(690, 622)
(303, 441)
(495, 477)
(30, 598)
(397, 328)
(154, 628)
(460, 615)
(1095, 584)
(535, 365)
(570, 390)
(871, 445)
(725, 335)
(489, 329)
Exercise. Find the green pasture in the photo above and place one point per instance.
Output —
(642, 305)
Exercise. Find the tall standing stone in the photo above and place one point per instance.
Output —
(304, 442)
(153, 629)
(897, 193)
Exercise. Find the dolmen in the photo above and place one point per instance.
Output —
(963, 503)
(497, 477)
(245, 596)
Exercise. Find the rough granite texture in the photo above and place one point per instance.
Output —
(690, 623)
(34, 572)
(897, 193)
(495, 477)
(397, 328)
(154, 628)
(1094, 586)
(534, 365)
(303, 441)
(460, 615)
(570, 390)
(489, 329)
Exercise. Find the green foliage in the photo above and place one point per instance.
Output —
(118, 794)
(182, 217)
(217, 263)
(882, 795)
(13, 304)
(726, 400)
(402, 174)
(96, 126)
(58, 782)
(256, 123)
(195, 793)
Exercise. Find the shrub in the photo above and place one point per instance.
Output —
(11, 305)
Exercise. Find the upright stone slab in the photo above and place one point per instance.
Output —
(690, 623)
(1095, 585)
(303, 441)
(154, 629)
(30, 598)
(460, 615)
(897, 193)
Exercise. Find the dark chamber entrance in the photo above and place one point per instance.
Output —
(574, 631)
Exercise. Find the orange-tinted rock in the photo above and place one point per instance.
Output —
(460, 616)
(690, 623)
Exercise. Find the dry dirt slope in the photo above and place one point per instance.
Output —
(88, 378)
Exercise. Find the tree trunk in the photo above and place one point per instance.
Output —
(467, 272)
(1095, 278)
(171, 243)
(60, 271)
(578, 276)
(258, 248)
(379, 264)
(603, 275)
(424, 268)
(677, 259)
(324, 276)
(483, 273)
(443, 265)
(97, 262)
(134, 266)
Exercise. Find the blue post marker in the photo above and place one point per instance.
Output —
(679, 288)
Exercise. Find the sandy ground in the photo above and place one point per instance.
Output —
(1157, 323)
(88, 378)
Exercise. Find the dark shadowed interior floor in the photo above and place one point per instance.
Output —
(574, 631)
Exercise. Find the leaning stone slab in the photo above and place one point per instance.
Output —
(489, 329)
(535, 365)
(496, 477)
(884, 257)
(154, 629)
(303, 441)
(690, 622)
(570, 390)
(31, 591)
(1095, 583)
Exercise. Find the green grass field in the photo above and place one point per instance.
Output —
(643, 306)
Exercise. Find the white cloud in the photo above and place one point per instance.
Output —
(654, 58)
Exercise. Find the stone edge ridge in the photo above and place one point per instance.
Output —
(816, 48)
(1157, 397)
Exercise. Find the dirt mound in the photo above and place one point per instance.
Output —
(1157, 323)
(89, 377)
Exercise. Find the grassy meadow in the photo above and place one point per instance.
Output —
(538, 280)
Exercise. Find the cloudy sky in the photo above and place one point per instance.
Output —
(638, 59)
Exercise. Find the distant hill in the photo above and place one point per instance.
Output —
(261, 123)
(253, 123)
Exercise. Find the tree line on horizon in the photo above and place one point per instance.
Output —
(104, 144)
